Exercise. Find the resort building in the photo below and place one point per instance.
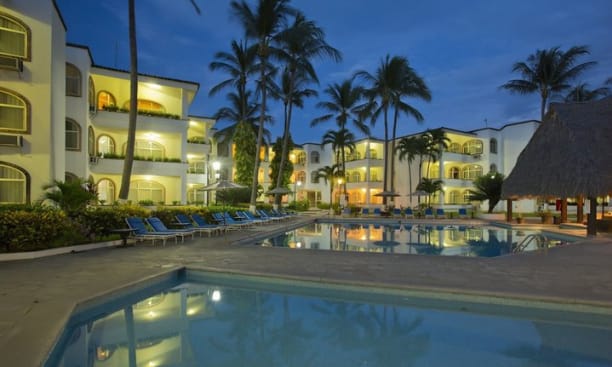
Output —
(63, 117)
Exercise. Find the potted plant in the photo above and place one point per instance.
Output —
(519, 218)
(547, 217)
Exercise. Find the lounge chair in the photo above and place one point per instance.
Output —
(141, 232)
(224, 219)
(429, 213)
(202, 223)
(440, 213)
(159, 227)
(184, 219)
(248, 215)
(376, 212)
(397, 212)
(365, 212)
(262, 213)
(463, 213)
(408, 213)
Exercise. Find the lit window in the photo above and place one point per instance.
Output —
(300, 158)
(355, 177)
(454, 147)
(13, 112)
(73, 135)
(91, 95)
(300, 176)
(105, 99)
(146, 190)
(471, 172)
(146, 105)
(73, 81)
(147, 149)
(106, 191)
(106, 145)
(472, 147)
(13, 183)
(14, 37)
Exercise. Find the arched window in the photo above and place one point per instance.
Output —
(493, 168)
(105, 99)
(195, 196)
(300, 176)
(471, 172)
(300, 158)
(70, 177)
(146, 105)
(466, 196)
(14, 112)
(147, 190)
(472, 147)
(15, 36)
(454, 147)
(73, 135)
(373, 154)
(148, 149)
(91, 141)
(314, 177)
(14, 184)
(493, 145)
(106, 191)
(355, 177)
(106, 145)
(73, 80)
(453, 173)
(454, 197)
(91, 95)
(314, 157)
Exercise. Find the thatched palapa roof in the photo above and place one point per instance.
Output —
(570, 154)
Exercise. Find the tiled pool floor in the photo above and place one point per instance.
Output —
(37, 296)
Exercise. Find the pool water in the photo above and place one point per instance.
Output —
(205, 321)
(402, 238)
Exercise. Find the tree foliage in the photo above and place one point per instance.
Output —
(488, 187)
(244, 157)
(71, 196)
(277, 148)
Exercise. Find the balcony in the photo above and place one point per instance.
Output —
(453, 182)
(198, 148)
(115, 166)
(364, 162)
(461, 157)
(120, 121)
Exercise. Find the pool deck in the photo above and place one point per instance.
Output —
(38, 295)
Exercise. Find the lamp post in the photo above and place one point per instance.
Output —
(216, 166)
(296, 184)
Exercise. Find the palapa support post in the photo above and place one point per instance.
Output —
(564, 210)
(592, 219)
(579, 209)
(509, 210)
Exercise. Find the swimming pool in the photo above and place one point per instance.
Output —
(217, 320)
(403, 238)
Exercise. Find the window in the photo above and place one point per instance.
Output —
(73, 135)
(15, 38)
(493, 168)
(195, 196)
(300, 176)
(355, 177)
(91, 95)
(466, 196)
(106, 191)
(314, 157)
(106, 145)
(146, 190)
(373, 154)
(147, 149)
(105, 99)
(197, 166)
(472, 147)
(454, 173)
(13, 184)
(314, 177)
(300, 158)
(454, 197)
(146, 105)
(454, 147)
(493, 145)
(471, 172)
(91, 141)
(14, 112)
(73, 81)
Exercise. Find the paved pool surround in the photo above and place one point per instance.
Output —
(37, 296)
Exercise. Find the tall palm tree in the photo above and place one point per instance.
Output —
(436, 144)
(430, 186)
(128, 162)
(298, 44)
(261, 24)
(238, 111)
(582, 93)
(330, 174)
(547, 72)
(344, 106)
(341, 141)
(411, 85)
(408, 148)
(381, 91)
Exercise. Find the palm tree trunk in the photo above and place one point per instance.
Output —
(262, 118)
(395, 117)
(386, 168)
(131, 138)
(543, 106)
(281, 165)
(410, 182)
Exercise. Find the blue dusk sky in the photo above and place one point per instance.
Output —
(463, 49)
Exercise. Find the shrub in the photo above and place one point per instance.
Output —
(324, 206)
(41, 228)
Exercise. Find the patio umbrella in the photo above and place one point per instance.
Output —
(222, 185)
(387, 194)
(279, 191)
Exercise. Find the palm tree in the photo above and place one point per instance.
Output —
(581, 93)
(261, 24)
(341, 141)
(488, 187)
(344, 106)
(408, 148)
(411, 85)
(329, 174)
(236, 112)
(298, 45)
(430, 186)
(128, 162)
(547, 72)
(385, 86)
(437, 143)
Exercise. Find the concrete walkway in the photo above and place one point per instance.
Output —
(38, 295)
